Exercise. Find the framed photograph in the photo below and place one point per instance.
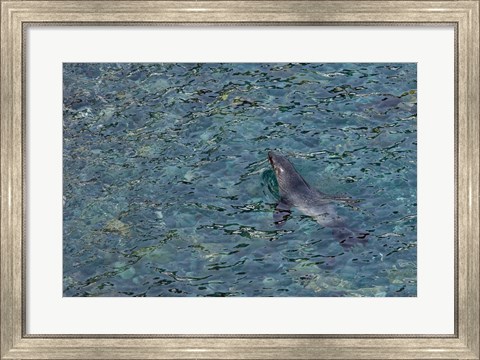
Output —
(229, 179)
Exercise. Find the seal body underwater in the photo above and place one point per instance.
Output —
(295, 192)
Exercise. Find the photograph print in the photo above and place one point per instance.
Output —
(239, 179)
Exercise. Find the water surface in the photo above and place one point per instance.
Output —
(168, 190)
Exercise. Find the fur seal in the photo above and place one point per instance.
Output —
(296, 192)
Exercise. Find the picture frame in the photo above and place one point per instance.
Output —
(17, 15)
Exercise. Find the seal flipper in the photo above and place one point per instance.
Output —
(281, 214)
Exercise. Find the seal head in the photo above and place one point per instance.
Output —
(290, 182)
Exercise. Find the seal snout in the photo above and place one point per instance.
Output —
(271, 154)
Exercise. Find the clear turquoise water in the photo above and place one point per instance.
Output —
(168, 190)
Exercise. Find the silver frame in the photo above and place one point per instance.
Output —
(17, 15)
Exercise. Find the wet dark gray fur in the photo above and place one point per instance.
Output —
(296, 192)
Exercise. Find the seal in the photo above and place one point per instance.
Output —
(296, 192)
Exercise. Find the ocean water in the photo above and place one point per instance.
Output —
(168, 191)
